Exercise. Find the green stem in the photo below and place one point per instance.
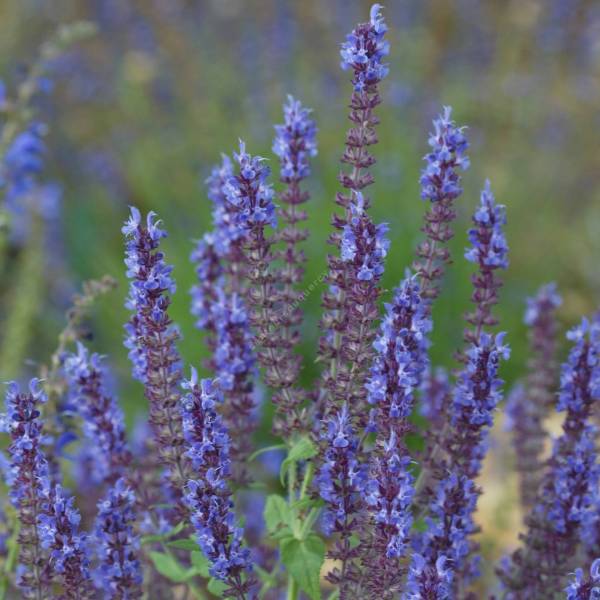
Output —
(292, 590)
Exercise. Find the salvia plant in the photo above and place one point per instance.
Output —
(360, 514)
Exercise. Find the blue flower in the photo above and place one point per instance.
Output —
(585, 588)
(151, 335)
(207, 494)
(67, 546)
(248, 192)
(547, 299)
(476, 395)
(364, 50)
(363, 243)
(119, 571)
(104, 423)
(489, 248)
(28, 478)
(439, 179)
(442, 550)
(340, 471)
(295, 141)
(226, 227)
(401, 354)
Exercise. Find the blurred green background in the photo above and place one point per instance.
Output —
(141, 111)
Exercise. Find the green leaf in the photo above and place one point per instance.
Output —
(303, 449)
(184, 544)
(277, 513)
(168, 566)
(303, 559)
(216, 587)
(200, 563)
(305, 503)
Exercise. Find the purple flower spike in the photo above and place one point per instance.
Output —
(235, 368)
(364, 50)
(350, 301)
(208, 271)
(151, 336)
(67, 547)
(489, 252)
(585, 588)
(207, 494)
(528, 405)
(444, 547)
(103, 426)
(341, 481)
(27, 478)
(440, 184)
(476, 396)
(119, 571)
(249, 193)
(295, 142)
(569, 487)
(388, 495)
(401, 358)
(364, 244)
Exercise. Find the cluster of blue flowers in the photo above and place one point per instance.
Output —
(389, 494)
(295, 141)
(440, 552)
(103, 422)
(250, 193)
(27, 476)
(119, 574)
(363, 243)
(24, 194)
(150, 279)
(67, 547)
(233, 356)
(364, 50)
(207, 493)
(341, 477)
(489, 247)
(440, 179)
(401, 355)
(585, 588)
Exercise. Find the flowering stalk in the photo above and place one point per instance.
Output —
(440, 184)
(294, 144)
(363, 249)
(104, 425)
(119, 573)
(347, 345)
(58, 528)
(27, 477)
(477, 391)
(251, 197)
(444, 546)
(489, 252)
(217, 301)
(401, 357)
(151, 337)
(528, 408)
(569, 484)
(207, 494)
(341, 481)
(235, 368)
